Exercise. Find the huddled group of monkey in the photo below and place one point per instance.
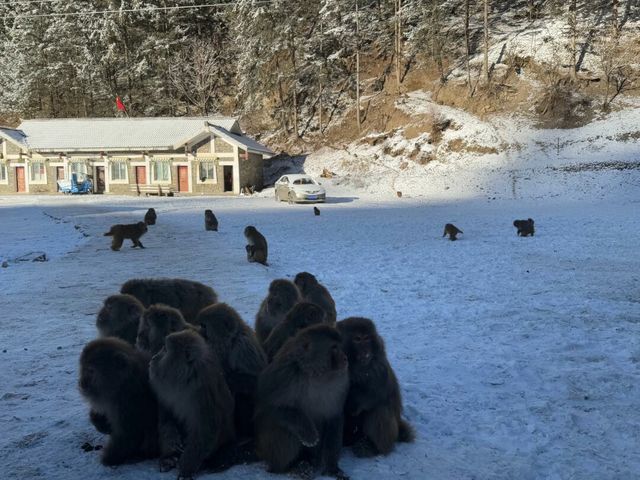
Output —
(178, 376)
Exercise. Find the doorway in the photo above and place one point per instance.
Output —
(183, 178)
(20, 183)
(227, 174)
(141, 175)
(59, 176)
(100, 176)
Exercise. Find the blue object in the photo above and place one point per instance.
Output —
(74, 187)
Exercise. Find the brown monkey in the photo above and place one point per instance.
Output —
(240, 355)
(451, 230)
(119, 317)
(210, 221)
(114, 380)
(373, 422)
(150, 217)
(282, 296)
(316, 211)
(525, 227)
(186, 295)
(132, 231)
(189, 382)
(156, 323)
(301, 316)
(256, 245)
(312, 291)
(300, 402)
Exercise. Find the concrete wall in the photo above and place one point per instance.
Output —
(10, 186)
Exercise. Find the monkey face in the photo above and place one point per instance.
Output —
(249, 230)
(116, 313)
(321, 351)
(155, 325)
(103, 365)
(361, 340)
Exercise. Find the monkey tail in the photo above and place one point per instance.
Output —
(406, 434)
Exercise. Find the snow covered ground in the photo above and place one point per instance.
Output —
(519, 358)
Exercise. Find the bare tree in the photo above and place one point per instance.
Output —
(485, 66)
(616, 62)
(467, 44)
(199, 75)
(358, 120)
(573, 33)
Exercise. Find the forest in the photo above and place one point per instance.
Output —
(292, 68)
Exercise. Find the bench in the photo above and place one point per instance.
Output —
(159, 190)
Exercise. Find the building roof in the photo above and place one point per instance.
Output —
(241, 141)
(109, 134)
(14, 135)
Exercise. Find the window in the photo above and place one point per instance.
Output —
(80, 169)
(3, 173)
(119, 171)
(161, 171)
(207, 172)
(38, 172)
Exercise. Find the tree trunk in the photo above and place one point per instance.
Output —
(398, 45)
(467, 44)
(358, 68)
(573, 26)
(486, 41)
(614, 16)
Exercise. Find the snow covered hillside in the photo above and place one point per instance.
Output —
(518, 357)
(498, 157)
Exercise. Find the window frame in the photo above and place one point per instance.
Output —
(43, 176)
(4, 173)
(126, 172)
(212, 179)
(153, 164)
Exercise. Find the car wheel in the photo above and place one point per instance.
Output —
(291, 198)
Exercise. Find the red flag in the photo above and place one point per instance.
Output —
(120, 105)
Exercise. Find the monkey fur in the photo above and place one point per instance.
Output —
(373, 422)
(114, 380)
(300, 401)
(186, 295)
(132, 231)
(312, 291)
(283, 295)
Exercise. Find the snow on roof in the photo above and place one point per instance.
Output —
(159, 133)
(14, 135)
(241, 141)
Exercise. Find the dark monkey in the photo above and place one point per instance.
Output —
(150, 217)
(373, 422)
(114, 379)
(186, 295)
(189, 382)
(451, 230)
(314, 292)
(525, 227)
(301, 316)
(240, 355)
(156, 323)
(256, 245)
(132, 231)
(282, 296)
(316, 211)
(210, 221)
(299, 410)
(119, 317)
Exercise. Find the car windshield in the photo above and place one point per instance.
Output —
(303, 181)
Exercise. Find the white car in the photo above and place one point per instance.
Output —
(299, 188)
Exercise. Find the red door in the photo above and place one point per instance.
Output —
(59, 173)
(141, 175)
(20, 185)
(183, 178)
